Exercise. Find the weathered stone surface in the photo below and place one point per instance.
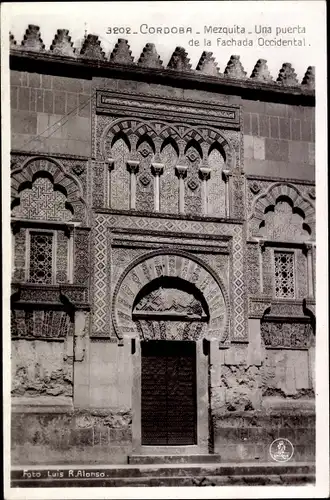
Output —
(32, 39)
(261, 71)
(309, 78)
(234, 68)
(179, 60)
(149, 57)
(207, 64)
(62, 44)
(12, 40)
(287, 75)
(91, 48)
(121, 53)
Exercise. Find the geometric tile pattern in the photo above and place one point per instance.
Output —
(42, 202)
(102, 274)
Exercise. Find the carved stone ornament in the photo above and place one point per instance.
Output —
(261, 72)
(255, 187)
(179, 60)
(192, 184)
(62, 44)
(121, 53)
(208, 65)
(32, 39)
(78, 169)
(144, 179)
(286, 335)
(309, 78)
(162, 268)
(234, 68)
(149, 57)
(287, 75)
(12, 41)
(91, 48)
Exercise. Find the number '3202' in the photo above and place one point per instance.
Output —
(119, 30)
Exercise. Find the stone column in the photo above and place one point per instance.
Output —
(133, 167)
(261, 265)
(157, 170)
(225, 175)
(204, 173)
(181, 172)
(110, 163)
(309, 250)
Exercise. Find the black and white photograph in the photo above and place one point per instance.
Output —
(164, 231)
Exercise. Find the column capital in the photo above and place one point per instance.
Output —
(157, 169)
(226, 175)
(262, 245)
(181, 171)
(132, 166)
(308, 247)
(204, 173)
(110, 163)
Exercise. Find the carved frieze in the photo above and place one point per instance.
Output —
(142, 106)
(48, 324)
(295, 335)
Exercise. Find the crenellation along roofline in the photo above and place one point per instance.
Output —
(91, 60)
(79, 67)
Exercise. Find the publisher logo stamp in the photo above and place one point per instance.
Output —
(281, 450)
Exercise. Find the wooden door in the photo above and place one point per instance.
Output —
(168, 393)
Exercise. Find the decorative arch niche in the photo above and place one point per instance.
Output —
(170, 295)
(282, 213)
(33, 177)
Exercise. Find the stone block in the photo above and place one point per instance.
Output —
(276, 109)
(81, 437)
(285, 132)
(23, 122)
(24, 98)
(248, 146)
(250, 106)
(34, 80)
(300, 369)
(46, 81)
(68, 84)
(274, 127)
(254, 124)
(84, 106)
(48, 101)
(259, 148)
(298, 152)
(13, 97)
(247, 123)
(296, 112)
(59, 103)
(77, 128)
(276, 150)
(101, 436)
(39, 100)
(236, 355)
(71, 102)
(264, 125)
(306, 130)
(33, 99)
(296, 129)
(81, 395)
(15, 78)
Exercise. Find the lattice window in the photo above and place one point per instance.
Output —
(284, 275)
(41, 258)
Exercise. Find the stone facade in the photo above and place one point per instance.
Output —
(153, 203)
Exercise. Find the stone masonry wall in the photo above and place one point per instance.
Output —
(57, 107)
(279, 140)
